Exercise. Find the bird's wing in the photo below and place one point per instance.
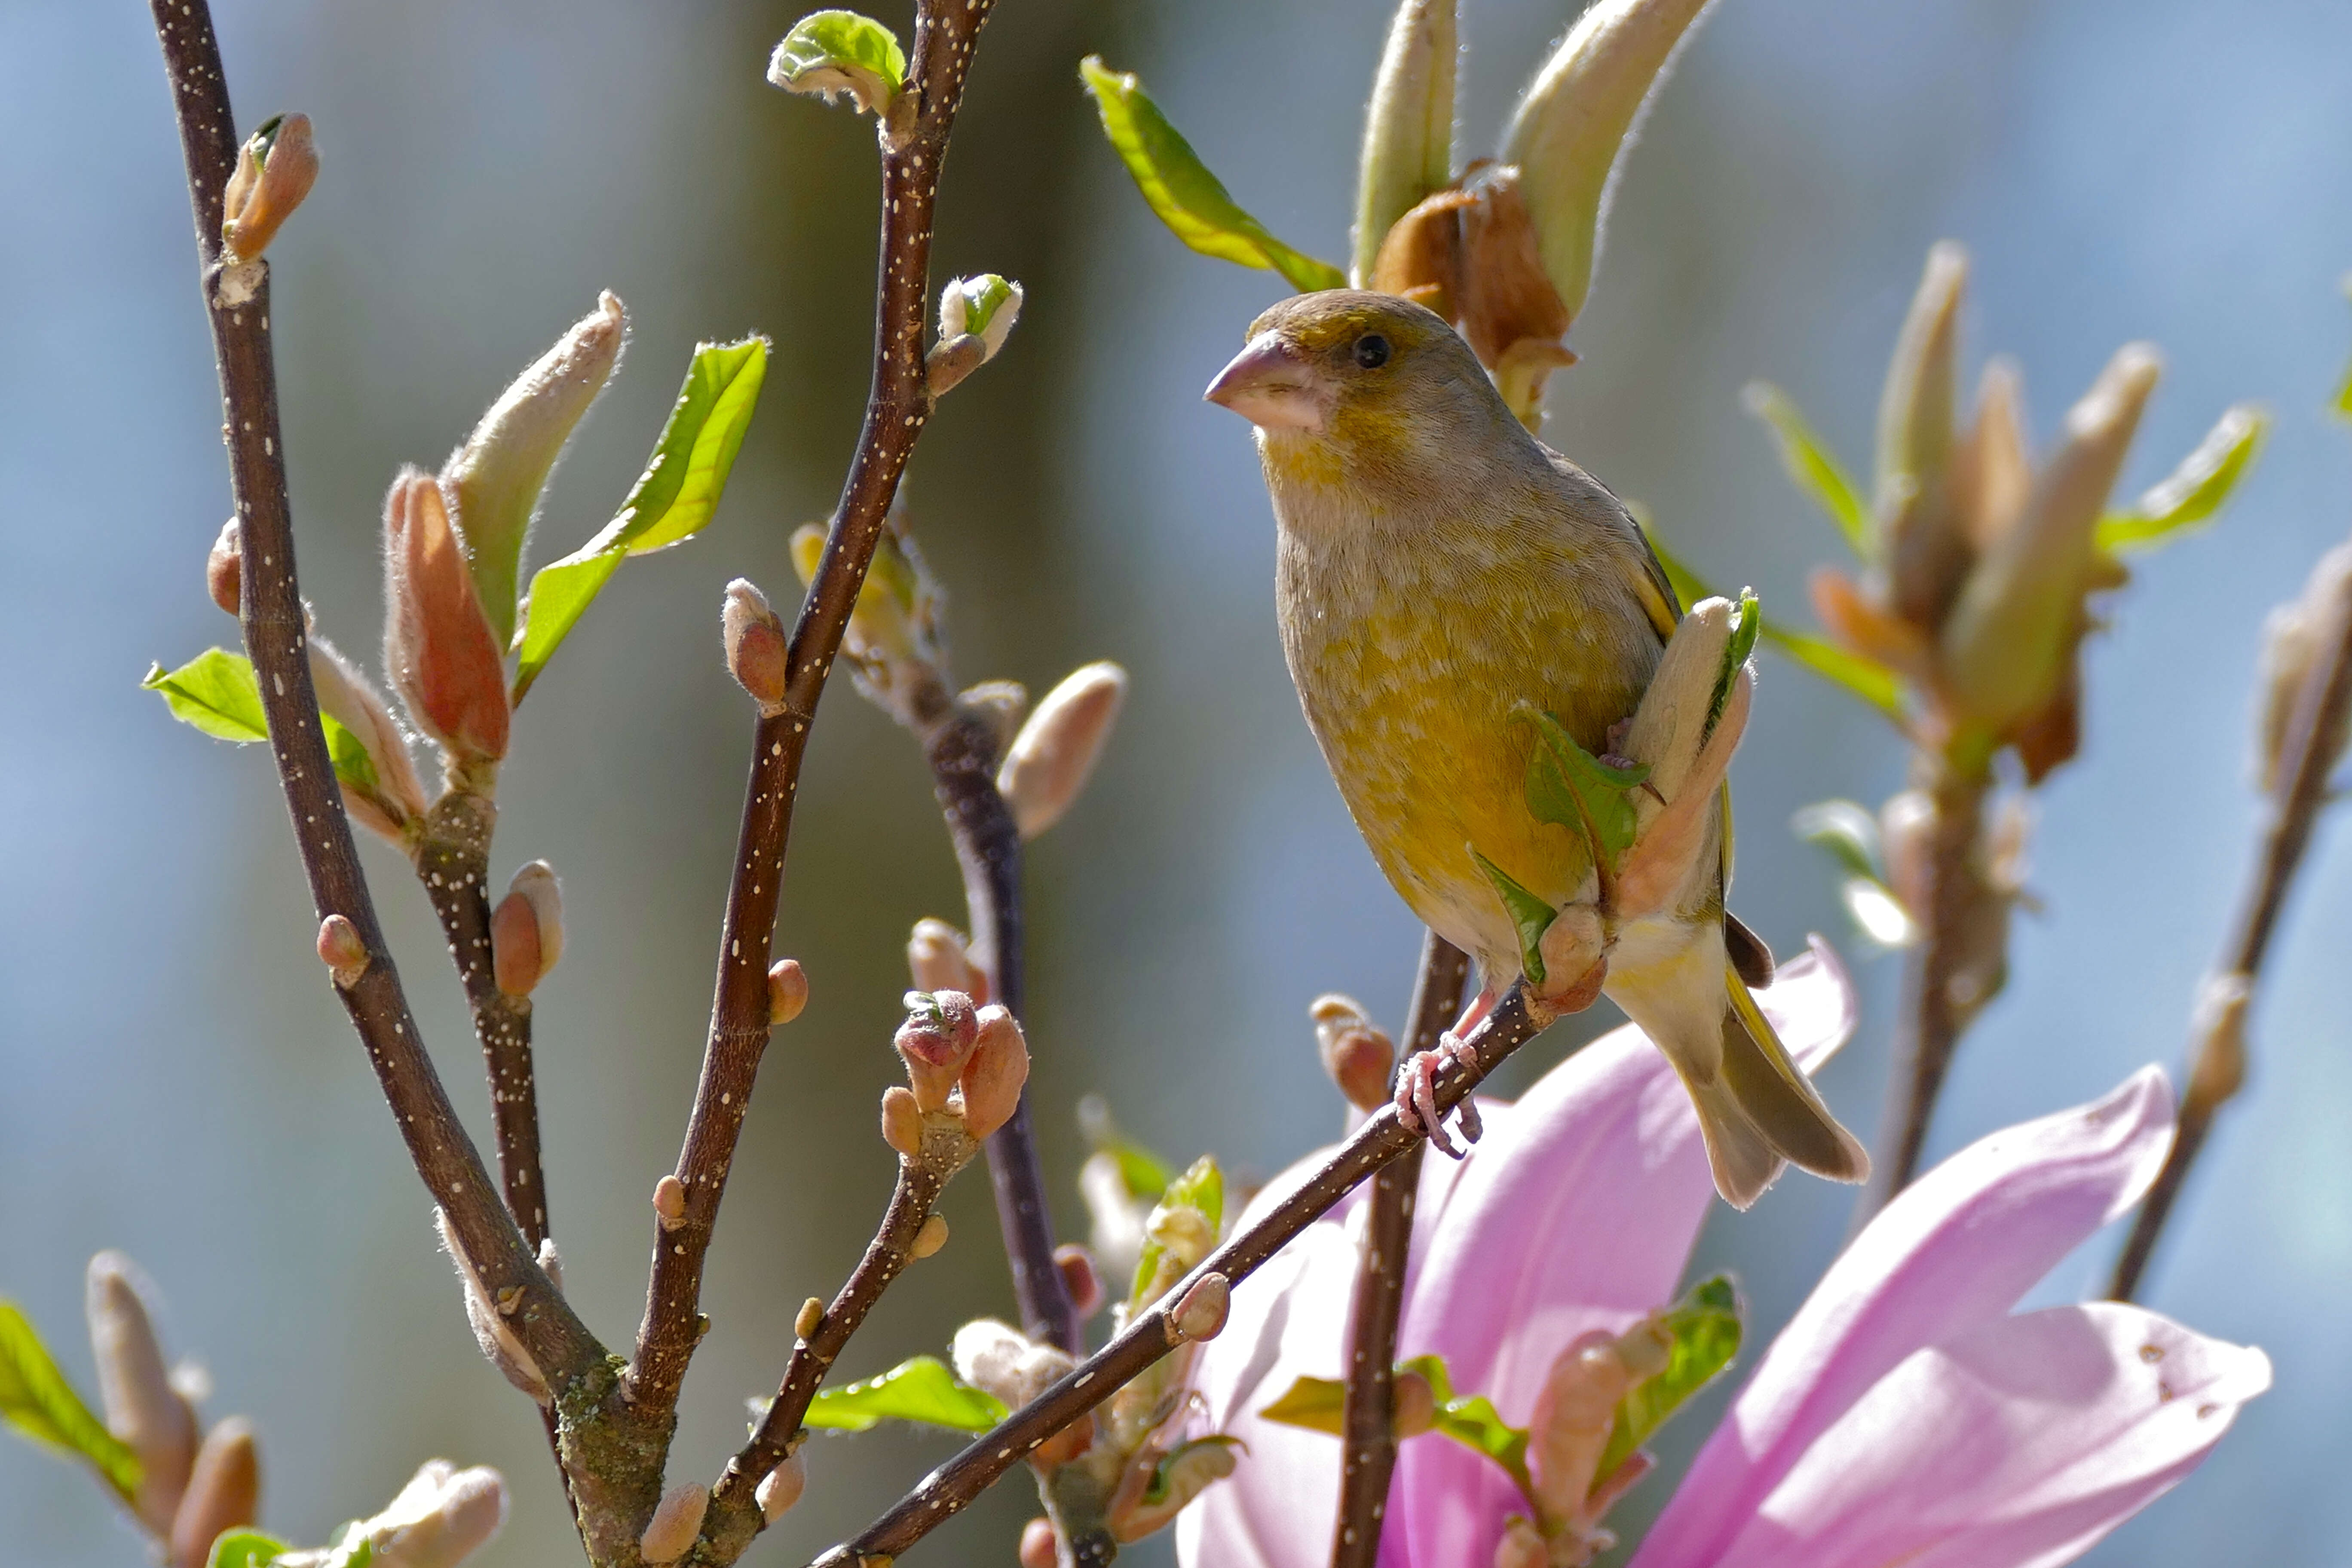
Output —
(1655, 591)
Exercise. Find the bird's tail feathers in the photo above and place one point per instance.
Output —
(1775, 1097)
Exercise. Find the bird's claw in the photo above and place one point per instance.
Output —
(1416, 1096)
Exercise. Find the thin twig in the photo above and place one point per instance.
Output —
(1367, 1427)
(1934, 1013)
(236, 299)
(1378, 1142)
(962, 754)
(2217, 1064)
(897, 407)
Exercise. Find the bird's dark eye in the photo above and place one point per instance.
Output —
(1371, 350)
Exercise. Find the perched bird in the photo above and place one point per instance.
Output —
(1439, 570)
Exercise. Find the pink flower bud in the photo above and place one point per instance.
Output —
(342, 950)
(1356, 1052)
(780, 1487)
(441, 1517)
(224, 568)
(938, 958)
(754, 640)
(134, 1385)
(902, 1122)
(1037, 1547)
(1056, 752)
(275, 170)
(527, 929)
(224, 1492)
(1200, 1313)
(1080, 1278)
(994, 1073)
(940, 1029)
(444, 658)
(677, 1520)
(788, 991)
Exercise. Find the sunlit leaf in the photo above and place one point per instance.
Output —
(36, 1400)
(1193, 202)
(2195, 490)
(1569, 786)
(1317, 1404)
(1201, 1187)
(217, 693)
(1530, 916)
(1810, 464)
(1475, 1424)
(1846, 831)
(921, 1390)
(840, 51)
(671, 501)
(245, 1548)
(1155, 1490)
(1705, 1328)
(1143, 1172)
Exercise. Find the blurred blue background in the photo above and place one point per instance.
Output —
(177, 1081)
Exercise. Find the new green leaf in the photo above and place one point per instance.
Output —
(2195, 490)
(36, 1400)
(1705, 1328)
(217, 693)
(670, 502)
(1569, 786)
(921, 1390)
(246, 1548)
(1201, 1187)
(1809, 462)
(1531, 915)
(1193, 202)
(1144, 1173)
(1318, 1404)
(840, 51)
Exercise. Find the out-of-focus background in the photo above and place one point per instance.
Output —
(174, 1078)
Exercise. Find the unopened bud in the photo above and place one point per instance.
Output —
(1920, 548)
(527, 929)
(930, 1238)
(444, 661)
(994, 1072)
(669, 1202)
(949, 360)
(2220, 1069)
(984, 307)
(1522, 1546)
(1081, 1281)
(902, 1122)
(1504, 297)
(395, 802)
(1001, 1359)
(935, 1041)
(938, 958)
(1412, 1405)
(1037, 1547)
(1183, 1476)
(134, 1385)
(1408, 129)
(493, 482)
(810, 1319)
(1356, 1052)
(1056, 752)
(275, 170)
(781, 1487)
(788, 991)
(677, 1520)
(1570, 1428)
(999, 705)
(754, 640)
(341, 950)
(224, 1492)
(224, 568)
(832, 52)
(2296, 638)
(1200, 1313)
(498, 1342)
(441, 1517)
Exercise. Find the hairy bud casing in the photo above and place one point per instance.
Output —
(677, 1520)
(499, 1342)
(781, 1487)
(224, 568)
(134, 1385)
(935, 1041)
(994, 1072)
(1408, 152)
(788, 991)
(2296, 638)
(397, 802)
(224, 1492)
(342, 951)
(443, 1516)
(1055, 754)
(938, 958)
(275, 170)
(1356, 1053)
(756, 648)
(444, 660)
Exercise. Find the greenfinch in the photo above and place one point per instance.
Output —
(1439, 572)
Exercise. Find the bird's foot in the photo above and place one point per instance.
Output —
(1416, 1095)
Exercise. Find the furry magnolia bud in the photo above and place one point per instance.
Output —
(1037, 1548)
(444, 658)
(1199, 1313)
(134, 1384)
(275, 170)
(788, 991)
(1357, 1054)
(994, 1073)
(902, 1122)
(224, 568)
(498, 1340)
(976, 315)
(930, 1238)
(676, 1522)
(396, 801)
(935, 1041)
(780, 1487)
(669, 1202)
(938, 958)
(441, 1517)
(342, 951)
(1000, 1360)
(2296, 639)
(754, 640)
(1056, 752)
(1080, 1278)
(527, 929)
(224, 1492)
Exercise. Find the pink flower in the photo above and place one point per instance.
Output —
(1904, 1414)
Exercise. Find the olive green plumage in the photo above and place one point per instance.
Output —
(1437, 568)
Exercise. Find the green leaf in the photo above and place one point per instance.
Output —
(1867, 678)
(2343, 404)
(1530, 916)
(1847, 832)
(36, 1400)
(921, 1389)
(840, 51)
(670, 502)
(1201, 1187)
(1144, 1173)
(1748, 621)
(1189, 199)
(2195, 490)
(1569, 786)
(217, 693)
(246, 1548)
(1316, 1404)
(1705, 1328)
(350, 1547)
(1809, 462)
(1155, 1490)
(1475, 1424)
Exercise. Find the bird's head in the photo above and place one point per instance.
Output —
(1356, 375)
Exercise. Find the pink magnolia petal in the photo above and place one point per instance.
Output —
(1950, 1253)
(2016, 1445)
(1577, 1213)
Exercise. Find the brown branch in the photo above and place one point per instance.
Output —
(897, 407)
(1367, 1426)
(962, 754)
(1934, 1011)
(1378, 1142)
(236, 299)
(2218, 1062)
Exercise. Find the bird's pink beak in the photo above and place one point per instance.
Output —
(1272, 385)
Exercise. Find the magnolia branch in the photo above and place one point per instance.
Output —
(897, 407)
(1367, 1423)
(1380, 1142)
(2218, 1064)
